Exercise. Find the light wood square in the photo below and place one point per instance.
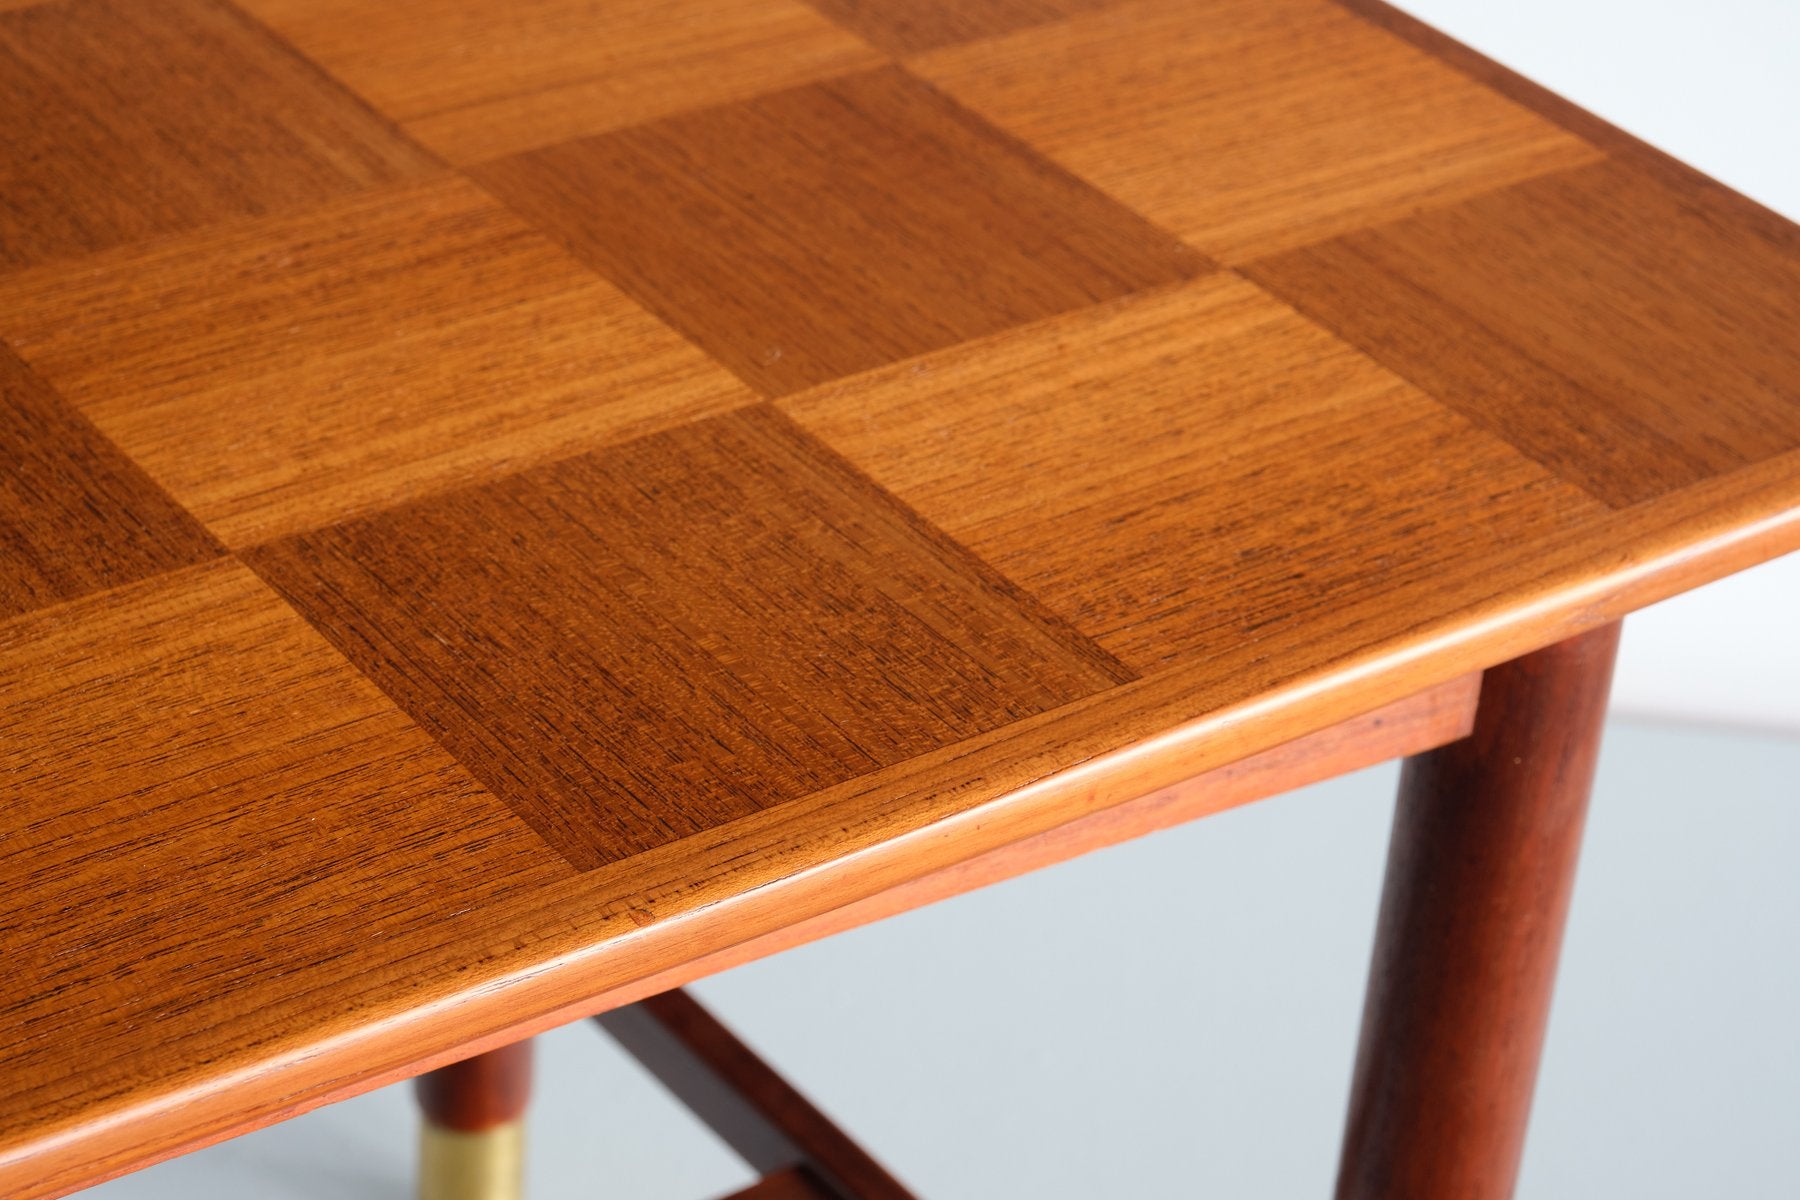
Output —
(1250, 126)
(474, 80)
(285, 374)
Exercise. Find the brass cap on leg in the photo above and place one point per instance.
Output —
(489, 1165)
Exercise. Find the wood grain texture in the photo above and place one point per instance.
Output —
(197, 786)
(1181, 507)
(126, 120)
(913, 26)
(76, 516)
(591, 638)
(1580, 316)
(1479, 875)
(754, 1110)
(1250, 126)
(475, 80)
(828, 229)
(279, 375)
(1047, 517)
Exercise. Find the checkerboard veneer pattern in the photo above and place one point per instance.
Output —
(497, 435)
(480, 430)
(545, 438)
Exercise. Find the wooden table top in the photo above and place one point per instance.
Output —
(503, 499)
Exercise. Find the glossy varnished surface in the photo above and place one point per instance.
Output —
(588, 598)
(504, 502)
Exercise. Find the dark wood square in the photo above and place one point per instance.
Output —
(125, 120)
(813, 233)
(76, 516)
(593, 639)
(1633, 331)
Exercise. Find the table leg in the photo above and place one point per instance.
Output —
(471, 1143)
(1479, 873)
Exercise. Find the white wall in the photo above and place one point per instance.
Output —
(1716, 84)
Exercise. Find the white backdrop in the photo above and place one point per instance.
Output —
(1716, 84)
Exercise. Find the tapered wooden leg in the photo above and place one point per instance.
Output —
(1479, 875)
(472, 1141)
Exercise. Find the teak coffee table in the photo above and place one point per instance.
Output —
(509, 508)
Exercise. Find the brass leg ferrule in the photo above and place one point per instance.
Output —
(489, 1165)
